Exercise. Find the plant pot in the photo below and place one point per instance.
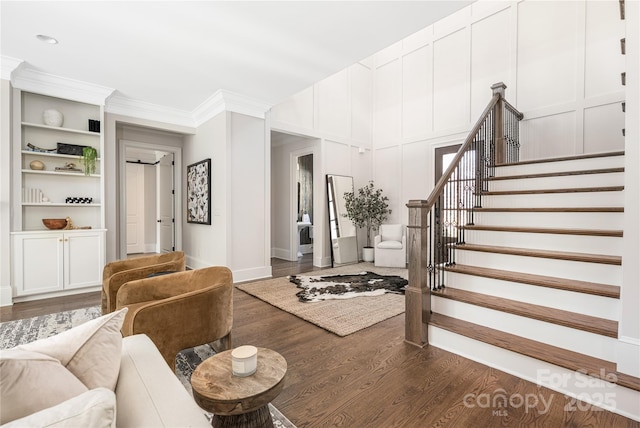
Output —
(367, 254)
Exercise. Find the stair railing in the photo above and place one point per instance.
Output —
(436, 225)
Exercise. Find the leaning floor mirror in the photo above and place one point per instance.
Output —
(344, 241)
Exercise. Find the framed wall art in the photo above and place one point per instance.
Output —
(199, 192)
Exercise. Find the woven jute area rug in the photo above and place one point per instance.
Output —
(341, 317)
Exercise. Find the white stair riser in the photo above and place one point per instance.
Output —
(546, 200)
(580, 341)
(573, 220)
(547, 241)
(561, 166)
(564, 182)
(597, 306)
(581, 271)
(565, 381)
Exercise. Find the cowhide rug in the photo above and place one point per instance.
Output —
(318, 288)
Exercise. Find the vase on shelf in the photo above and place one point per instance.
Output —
(52, 117)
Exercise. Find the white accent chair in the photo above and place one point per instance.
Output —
(390, 246)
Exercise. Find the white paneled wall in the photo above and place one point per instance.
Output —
(417, 102)
(560, 61)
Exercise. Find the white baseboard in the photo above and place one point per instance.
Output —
(251, 274)
(195, 263)
(6, 295)
(57, 294)
(628, 356)
(284, 254)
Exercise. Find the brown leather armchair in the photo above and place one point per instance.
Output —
(118, 272)
(181, 310)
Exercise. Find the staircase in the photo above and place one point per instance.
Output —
(535, 287)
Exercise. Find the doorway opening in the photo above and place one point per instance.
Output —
(295, 192)
(150, 218)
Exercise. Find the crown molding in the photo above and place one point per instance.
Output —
(28, 79)
(8, 66)
(118, 104)
(229, 101)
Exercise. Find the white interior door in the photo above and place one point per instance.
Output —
(166, 195)
(135, 208)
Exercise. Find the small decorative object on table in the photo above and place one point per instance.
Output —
(68, 167)
(52, 117)
(70, 225)
(55, 223)
(36, 165)
(77, 200)
(94, 125)
(33, 148)
(244, 360)
(69, 149)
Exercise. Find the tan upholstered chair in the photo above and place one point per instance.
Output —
(181, 310)
(118, 272)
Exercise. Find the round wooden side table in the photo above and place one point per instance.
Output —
(239, 402)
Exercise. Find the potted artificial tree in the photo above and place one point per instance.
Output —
(369, 209)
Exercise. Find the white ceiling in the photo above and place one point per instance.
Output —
(177, 54)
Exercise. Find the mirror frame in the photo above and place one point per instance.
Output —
(329, 184)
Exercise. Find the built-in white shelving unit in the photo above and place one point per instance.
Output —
(53, 262)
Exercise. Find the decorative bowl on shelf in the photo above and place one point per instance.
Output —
(54, 223)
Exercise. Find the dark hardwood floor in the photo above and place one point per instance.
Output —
(373, 379)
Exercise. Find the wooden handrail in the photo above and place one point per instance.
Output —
(435, 193)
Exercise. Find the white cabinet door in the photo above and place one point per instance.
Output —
(38, 263)
(83, 259)
(46, 262)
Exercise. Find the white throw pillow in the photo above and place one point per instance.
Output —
(91, 351)
(30, 382)
(95, 408)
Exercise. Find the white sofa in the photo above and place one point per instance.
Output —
(148, 393)
(75, 380)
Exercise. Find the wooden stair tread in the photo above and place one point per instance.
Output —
(575, 320)
(587, 232)
(565, 158)
(546, 191)
(595, 367)
(558, 174)
(549, 254)
(594, 288)
(554, 210)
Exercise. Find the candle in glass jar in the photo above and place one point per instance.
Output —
(244, 360)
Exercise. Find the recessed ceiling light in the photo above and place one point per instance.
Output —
(46, 39)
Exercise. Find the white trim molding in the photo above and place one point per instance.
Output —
(8, 66)
(118, 104)
(6, 295)
(229, 101)
(28, 79)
